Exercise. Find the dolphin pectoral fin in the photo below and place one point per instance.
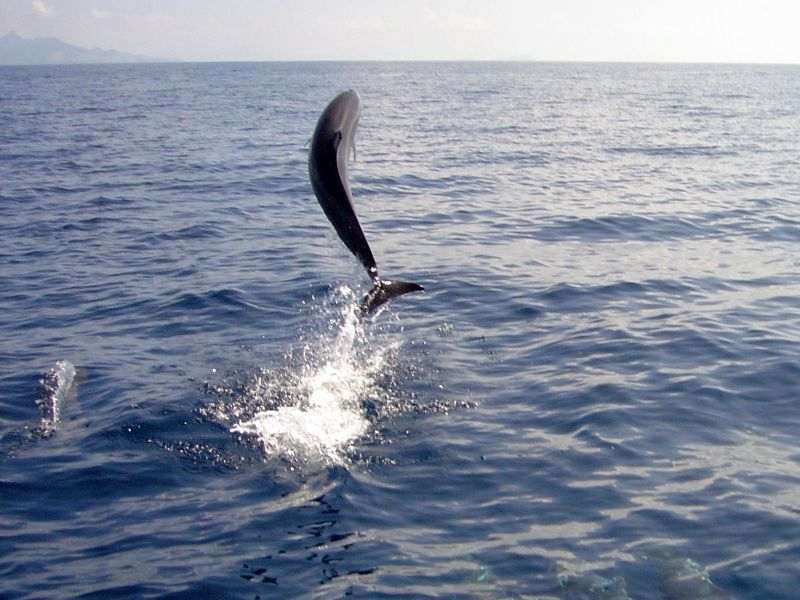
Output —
(383, 291)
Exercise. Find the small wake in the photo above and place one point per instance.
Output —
(314, 410)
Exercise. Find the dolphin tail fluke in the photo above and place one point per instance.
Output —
(383, 291)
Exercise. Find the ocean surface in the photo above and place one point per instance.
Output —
(596, 398)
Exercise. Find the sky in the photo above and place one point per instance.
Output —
(760, 31)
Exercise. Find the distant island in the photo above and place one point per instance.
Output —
(17, 50)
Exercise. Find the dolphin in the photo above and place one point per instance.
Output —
(327, 169)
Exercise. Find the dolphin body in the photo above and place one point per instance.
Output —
(327, 169)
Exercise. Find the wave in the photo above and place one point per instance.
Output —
(673, 151)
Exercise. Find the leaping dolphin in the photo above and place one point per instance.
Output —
(327, 168)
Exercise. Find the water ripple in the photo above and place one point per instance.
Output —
(595, 398)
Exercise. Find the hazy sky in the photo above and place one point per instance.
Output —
(588, 30)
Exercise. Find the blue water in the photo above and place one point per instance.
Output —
(595, 398)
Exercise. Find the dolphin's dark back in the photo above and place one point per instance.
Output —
(327, 168)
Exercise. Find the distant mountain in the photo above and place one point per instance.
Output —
(16, 50)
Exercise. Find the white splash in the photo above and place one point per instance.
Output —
(325, 413)
(55, 386)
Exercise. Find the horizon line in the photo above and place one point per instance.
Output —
(147, 59)
(162, 61)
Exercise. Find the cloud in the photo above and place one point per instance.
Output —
(41, 9)
(100, 14)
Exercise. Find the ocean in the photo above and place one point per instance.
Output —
(596, 397)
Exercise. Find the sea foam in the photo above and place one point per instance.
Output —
(324, 413)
